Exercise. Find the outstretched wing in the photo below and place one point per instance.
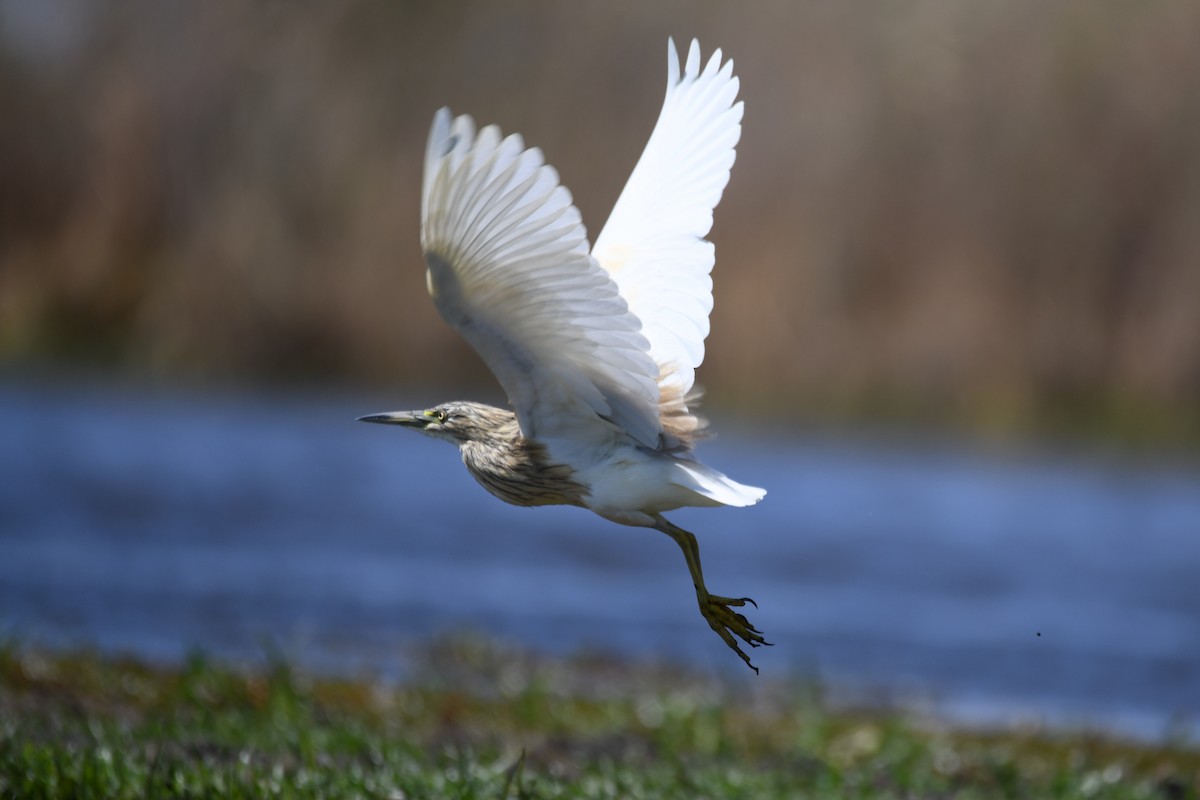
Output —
(653, 245)
(508, 267)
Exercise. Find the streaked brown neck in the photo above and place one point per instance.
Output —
(516, 469)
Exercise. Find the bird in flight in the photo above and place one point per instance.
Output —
(596, 349)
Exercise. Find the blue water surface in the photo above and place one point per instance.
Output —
(1059, 587)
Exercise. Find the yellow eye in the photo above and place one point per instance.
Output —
(439, 415)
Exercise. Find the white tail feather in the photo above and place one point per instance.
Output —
(710, 483)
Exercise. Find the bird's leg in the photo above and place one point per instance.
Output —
(715, 609)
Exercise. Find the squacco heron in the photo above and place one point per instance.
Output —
(596, 349)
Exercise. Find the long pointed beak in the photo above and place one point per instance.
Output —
(409, 419)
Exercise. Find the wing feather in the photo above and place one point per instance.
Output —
(509, 268)
(653, 244)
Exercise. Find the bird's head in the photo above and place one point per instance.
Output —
(457, 421)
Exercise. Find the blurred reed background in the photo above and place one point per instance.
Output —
(984, 215)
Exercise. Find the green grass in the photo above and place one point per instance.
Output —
(477, 721)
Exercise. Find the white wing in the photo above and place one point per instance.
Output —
(509, 269)
(653, 244)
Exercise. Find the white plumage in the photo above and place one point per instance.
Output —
(596, 349)
(653, 245)
(585, 345)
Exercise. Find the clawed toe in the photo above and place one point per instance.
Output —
(729, 623)
(733, 601)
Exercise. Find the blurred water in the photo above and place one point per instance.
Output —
(1038, 586)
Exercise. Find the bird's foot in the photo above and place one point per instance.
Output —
(729, 623)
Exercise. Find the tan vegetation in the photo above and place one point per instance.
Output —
(982, 213)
